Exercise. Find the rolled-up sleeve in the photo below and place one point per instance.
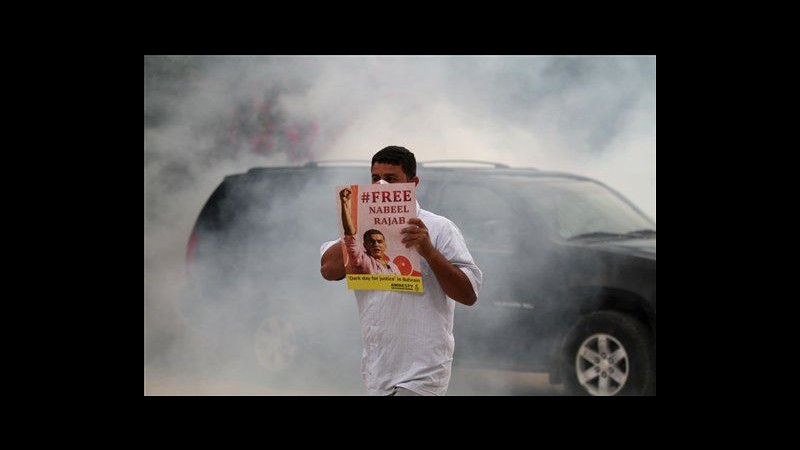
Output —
(326, 246)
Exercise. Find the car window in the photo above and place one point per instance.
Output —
(580, 207)
(485, 217)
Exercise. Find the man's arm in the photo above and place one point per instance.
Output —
(332, 263)
(453, 281)
(347, 218)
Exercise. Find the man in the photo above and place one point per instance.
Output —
(408, 337)
(371, 259)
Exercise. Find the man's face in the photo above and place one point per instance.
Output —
(390, 173)
(375, 245)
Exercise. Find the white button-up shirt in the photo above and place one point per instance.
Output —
(408, 337)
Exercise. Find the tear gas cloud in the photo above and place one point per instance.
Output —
(208, 117)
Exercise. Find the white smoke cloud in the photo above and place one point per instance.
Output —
(593, 116)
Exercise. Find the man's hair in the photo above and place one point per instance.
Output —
(368, 232)
(397, 156)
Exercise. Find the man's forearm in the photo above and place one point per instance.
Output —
(453, 281)
(347, 220)
(332, 264)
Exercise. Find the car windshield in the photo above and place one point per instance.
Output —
(577, 209)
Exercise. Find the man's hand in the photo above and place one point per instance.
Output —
(344, 194)
(417, 236)
(452, 280)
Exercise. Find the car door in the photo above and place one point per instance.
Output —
(492, 332)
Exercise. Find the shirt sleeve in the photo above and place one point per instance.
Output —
(452, 246)
(327, 245)
(356, 255)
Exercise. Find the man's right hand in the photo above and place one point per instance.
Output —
(344, 194)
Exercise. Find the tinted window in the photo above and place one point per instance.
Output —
(576, 207)
(485, 217)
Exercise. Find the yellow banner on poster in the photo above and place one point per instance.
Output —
(385, 282)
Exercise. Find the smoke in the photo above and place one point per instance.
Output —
(207, 117)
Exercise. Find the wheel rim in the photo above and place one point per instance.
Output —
(274, 344)
(602, 365)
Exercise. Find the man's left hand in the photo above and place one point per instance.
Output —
(417, 236)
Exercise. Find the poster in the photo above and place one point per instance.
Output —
(370, 219)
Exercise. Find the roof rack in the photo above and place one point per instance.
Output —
(332, 162)
(466, 161)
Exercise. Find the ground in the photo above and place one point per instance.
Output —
(463, 382)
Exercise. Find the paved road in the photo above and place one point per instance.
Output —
(463, 382)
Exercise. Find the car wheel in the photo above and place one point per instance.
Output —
(609, 353)
(275, 344)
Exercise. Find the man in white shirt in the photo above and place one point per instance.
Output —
(408, 337)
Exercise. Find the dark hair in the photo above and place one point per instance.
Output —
(397, 156)
(368, 232)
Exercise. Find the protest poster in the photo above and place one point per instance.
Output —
(371, 217)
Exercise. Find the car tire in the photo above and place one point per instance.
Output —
(275, 344)
(235, 337)
(609, 353)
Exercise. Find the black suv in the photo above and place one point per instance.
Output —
(569, 271)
